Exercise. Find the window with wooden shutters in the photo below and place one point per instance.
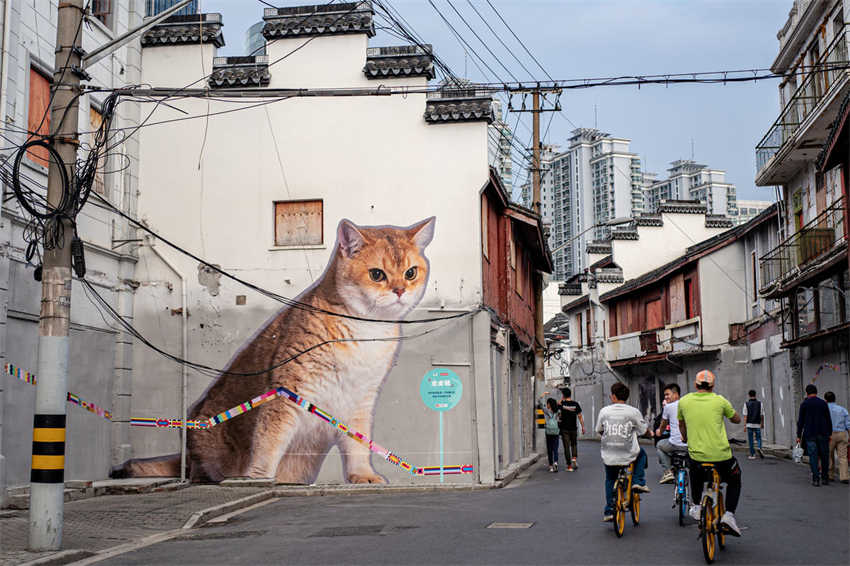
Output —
(38, 114)
(580, 330)
(95, 121)
(485, 233)
(298, 223)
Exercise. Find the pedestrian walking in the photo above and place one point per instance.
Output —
(814, 428)
(838, 440)
(754, 417)
(570, 417)
(553, 432)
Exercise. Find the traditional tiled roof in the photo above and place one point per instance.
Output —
(182, 30)
(718, 221)
(624, 235)
(240, 71)
(649, 220)
(569, 289)
(399, 61)
(682, 206)
(324, 19)
(458, 105)
(599, 247)
(609, 275)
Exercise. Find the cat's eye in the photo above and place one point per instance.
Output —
(377, 275)
(410, 274)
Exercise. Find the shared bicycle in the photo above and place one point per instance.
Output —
(625, 499)
(710, 531)
(680, 491)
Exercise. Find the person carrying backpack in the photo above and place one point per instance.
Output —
(754, 416)
(553, 433)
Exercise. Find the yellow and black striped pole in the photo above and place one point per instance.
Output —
(48, 449)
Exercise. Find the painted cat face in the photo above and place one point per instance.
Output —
(382, 271)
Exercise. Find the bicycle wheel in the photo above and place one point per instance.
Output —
(619, 511)
(707, 533)
(721, 508)
(682, 504)
(635, 507)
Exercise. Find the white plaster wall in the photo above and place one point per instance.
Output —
(658, 245)
(210, 187)
(722, 276)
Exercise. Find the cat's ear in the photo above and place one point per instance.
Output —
(423, 232)
(349, 238)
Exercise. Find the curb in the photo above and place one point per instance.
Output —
(198, 518)
(515, 469)
(61, 557)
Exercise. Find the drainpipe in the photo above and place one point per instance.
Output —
(184, 375)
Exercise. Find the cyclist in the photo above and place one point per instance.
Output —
(700, 418)
(620, 425)
(667, 446)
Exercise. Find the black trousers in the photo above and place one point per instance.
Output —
(730, 474)
(570, 439)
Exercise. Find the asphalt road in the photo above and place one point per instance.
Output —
(785, 521)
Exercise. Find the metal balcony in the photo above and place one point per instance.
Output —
(815, 241)
(806, 106)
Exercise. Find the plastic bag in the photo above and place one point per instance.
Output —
(797, 453)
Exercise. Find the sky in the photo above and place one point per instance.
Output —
(718, 124)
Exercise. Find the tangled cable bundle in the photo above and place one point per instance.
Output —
(46, 227)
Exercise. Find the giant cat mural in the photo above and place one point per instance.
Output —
(374, 272)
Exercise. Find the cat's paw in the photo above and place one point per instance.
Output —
(366, 478)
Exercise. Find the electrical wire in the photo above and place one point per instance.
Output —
(265, 292)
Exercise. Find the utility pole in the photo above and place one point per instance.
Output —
(537, 277)
(48, 446)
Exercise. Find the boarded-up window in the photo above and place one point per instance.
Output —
(38, 114)
(654, 314)
(677, 298)
(485, 233)
(95, 121)
(298, 223)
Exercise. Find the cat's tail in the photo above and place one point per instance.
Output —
(160, 466)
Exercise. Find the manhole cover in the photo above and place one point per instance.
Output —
(510, 525)
(353, 531)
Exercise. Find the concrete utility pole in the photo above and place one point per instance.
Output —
(48, 446)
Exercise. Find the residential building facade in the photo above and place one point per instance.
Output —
(499, 146)
(805, 153)
(749, 209)
(689, 180)
(280, 216)
(595, 180)
(100, 355)
(650, 242)
(703, 311)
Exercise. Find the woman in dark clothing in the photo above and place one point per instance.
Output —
(553, 433)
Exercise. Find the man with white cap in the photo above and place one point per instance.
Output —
(700, 416)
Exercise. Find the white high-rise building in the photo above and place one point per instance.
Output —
(499, 145)
(749, 209)
(596, 179)
(689, 180)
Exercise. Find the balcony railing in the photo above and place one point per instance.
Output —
(674, 339)
(831, 69)
(811, 242)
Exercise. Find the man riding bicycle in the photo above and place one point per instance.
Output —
(700, 418)
(620, 425)
(668, 446)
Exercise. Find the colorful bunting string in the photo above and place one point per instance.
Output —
(153, 422)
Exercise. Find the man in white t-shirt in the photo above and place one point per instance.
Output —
(667, 446)
(620, 425)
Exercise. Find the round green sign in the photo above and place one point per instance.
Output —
(441, 389)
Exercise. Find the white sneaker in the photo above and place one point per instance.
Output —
(751, 457)
(668, 477)
(640, 488)
(695, 511)
(728, 521)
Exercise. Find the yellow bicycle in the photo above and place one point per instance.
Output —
(710, 531)
(626, 499)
